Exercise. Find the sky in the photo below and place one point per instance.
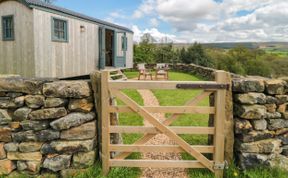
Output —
(188, 21)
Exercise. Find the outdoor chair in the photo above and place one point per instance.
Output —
(162, 70)
(143, 71)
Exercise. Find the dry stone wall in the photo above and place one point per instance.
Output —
(46, 127)
(261, 122)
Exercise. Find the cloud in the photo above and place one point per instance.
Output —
(221, 21)
(154, 22)
(157, 35)
(145, 8)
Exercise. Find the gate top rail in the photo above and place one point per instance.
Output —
(209, 85)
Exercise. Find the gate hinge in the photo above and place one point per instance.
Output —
(219, 166)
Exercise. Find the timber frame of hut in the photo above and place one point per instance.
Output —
(43, 40)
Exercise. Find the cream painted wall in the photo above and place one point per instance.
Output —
(78, 56)
(17, 56)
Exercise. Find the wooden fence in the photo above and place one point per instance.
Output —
(113, 89)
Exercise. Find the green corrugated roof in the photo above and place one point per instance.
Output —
(38, 3)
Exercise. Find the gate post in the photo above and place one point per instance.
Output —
(221, 77)
(105, 120)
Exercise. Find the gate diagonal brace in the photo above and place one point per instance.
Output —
(167, 122)
(146, 115)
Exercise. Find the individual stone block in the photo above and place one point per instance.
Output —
(263, 146)
(55, 102)
(51, 113)
(22, 113)
(21, 165)
(250, 111)
(5, 135)
(271, 108)
(14, 95)
(73, 146)
(275, 87)
(284, 138)
(259, 124)
(250, 98)
(275, 124)
(26, 136)
(251, 160)
(11, 147)
(4, 117)
(271, 100)
(47, 149)
(2, 151)
(278, 161)
(72, 120)
(281, 131)
(81, 105)
(83, 132)
(8, 103)
(32, 167)
(34, 101)
(27, 147)
(84, 160)
(283, 108)
(275, 115)
(6, 167)
(282, 99)
(285, 115)
(35, 125)
(285, 150)
(15, 126)
(21, 85)
(242, 126)
(47, 135)
(67, 89)
(248, 85)
(57, 163)
(17, 156)
(256, 136)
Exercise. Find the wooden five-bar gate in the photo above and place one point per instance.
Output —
(113, 89)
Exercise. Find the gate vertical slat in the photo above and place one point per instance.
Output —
(105, 119)
(219, 120)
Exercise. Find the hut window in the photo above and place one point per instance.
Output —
(59, 30)
(8, 27)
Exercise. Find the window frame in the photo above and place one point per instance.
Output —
(5, 38)
(66, 30)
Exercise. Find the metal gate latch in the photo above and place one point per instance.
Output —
(219, 166)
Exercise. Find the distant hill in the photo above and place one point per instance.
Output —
(279, 46)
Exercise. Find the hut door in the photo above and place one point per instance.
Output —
(102, 48)
(121, 48)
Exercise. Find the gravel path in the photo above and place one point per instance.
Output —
(160, 139)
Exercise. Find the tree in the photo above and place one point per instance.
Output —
(196, 54)
(164, 54)
(144, 52)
